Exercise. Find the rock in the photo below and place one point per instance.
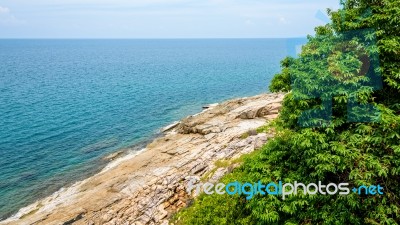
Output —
(169, 127)
(146, 188)
(161, 215)
(198, 168)
(114, 156)
(210, 106)
(107, 217)
(260, 140)
(180, 204)
(219, 173)
(165, 223)
(249, 114)
(166, 205)
(210, 136)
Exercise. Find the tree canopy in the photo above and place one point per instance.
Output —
(340, 122)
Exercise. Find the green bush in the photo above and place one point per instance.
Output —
(333, 149)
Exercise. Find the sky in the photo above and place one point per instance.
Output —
(161, 18)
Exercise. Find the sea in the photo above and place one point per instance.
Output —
(67, 104)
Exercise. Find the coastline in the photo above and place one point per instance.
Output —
(148, 186)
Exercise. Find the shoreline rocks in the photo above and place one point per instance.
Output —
(149, 187)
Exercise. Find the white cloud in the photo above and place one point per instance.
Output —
(6, 18)
(283, 20)
(4, 10)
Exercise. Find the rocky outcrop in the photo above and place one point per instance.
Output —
(148, 187)
(219, 117)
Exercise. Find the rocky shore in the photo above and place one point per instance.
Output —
(148, 187)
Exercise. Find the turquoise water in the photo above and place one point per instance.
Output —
(65, 104)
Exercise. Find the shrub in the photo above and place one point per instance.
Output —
(318, 138)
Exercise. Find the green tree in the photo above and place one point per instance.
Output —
(319, 137)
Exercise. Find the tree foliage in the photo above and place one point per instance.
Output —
(319, 137)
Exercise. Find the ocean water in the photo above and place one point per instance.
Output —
(66, 104)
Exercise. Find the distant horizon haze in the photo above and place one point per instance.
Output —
(161, 19)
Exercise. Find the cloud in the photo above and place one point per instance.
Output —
(6, 18)
(161, 18)
(283, 20)
(4, 10)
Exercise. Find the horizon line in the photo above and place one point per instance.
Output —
(144, 38)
